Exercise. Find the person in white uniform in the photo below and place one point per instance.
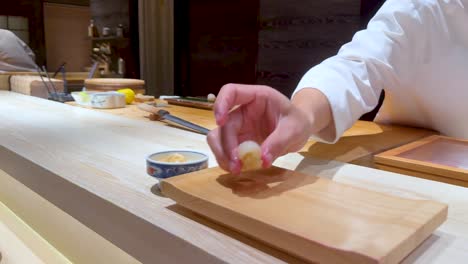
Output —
(417, 50)
(15, 55)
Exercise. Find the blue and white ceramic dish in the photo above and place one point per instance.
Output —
(160, 169)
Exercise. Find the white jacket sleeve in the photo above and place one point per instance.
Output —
(380, 56)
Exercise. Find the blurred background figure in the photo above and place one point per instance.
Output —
(15, 55)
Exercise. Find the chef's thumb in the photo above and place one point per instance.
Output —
(273, 147)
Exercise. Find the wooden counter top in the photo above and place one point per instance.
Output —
(89, 168)
(357, 146)
(201, 117)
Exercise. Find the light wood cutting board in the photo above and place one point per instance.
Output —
(436, 155)
(310, 217)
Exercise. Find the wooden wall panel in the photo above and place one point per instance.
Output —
(216, 43)
(298, 34)
(59, 21)
(157, 46)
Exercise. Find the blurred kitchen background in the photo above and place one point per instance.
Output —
(188, 47)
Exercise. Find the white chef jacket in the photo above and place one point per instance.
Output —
(417, 50)
(15, 55)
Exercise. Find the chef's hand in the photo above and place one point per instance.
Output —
(262, 114)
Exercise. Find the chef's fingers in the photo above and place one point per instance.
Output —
(288, 136)
(229, 133)
(232, 95)
(214, 141)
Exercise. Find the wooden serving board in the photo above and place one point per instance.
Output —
(313, 218)
(435, 155)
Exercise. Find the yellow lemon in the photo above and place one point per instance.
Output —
(85, 98)
(129, 94)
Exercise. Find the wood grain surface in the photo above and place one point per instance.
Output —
(435, 155)
(313, 218)
(202, 117)
(73, 162)
(361, 142)
(96, 163)
(422, 175)
(358, 145)
(296, 35)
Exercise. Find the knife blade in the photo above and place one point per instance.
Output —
(166, 115)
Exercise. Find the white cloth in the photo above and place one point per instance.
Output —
(15, 55)
(417, 50)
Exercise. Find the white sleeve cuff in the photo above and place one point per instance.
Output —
(348, 92)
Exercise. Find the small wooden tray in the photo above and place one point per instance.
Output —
(313, 218)
(436, 155)
(190, 103)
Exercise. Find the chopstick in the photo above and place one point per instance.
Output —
(45, 84)
(48, 77)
